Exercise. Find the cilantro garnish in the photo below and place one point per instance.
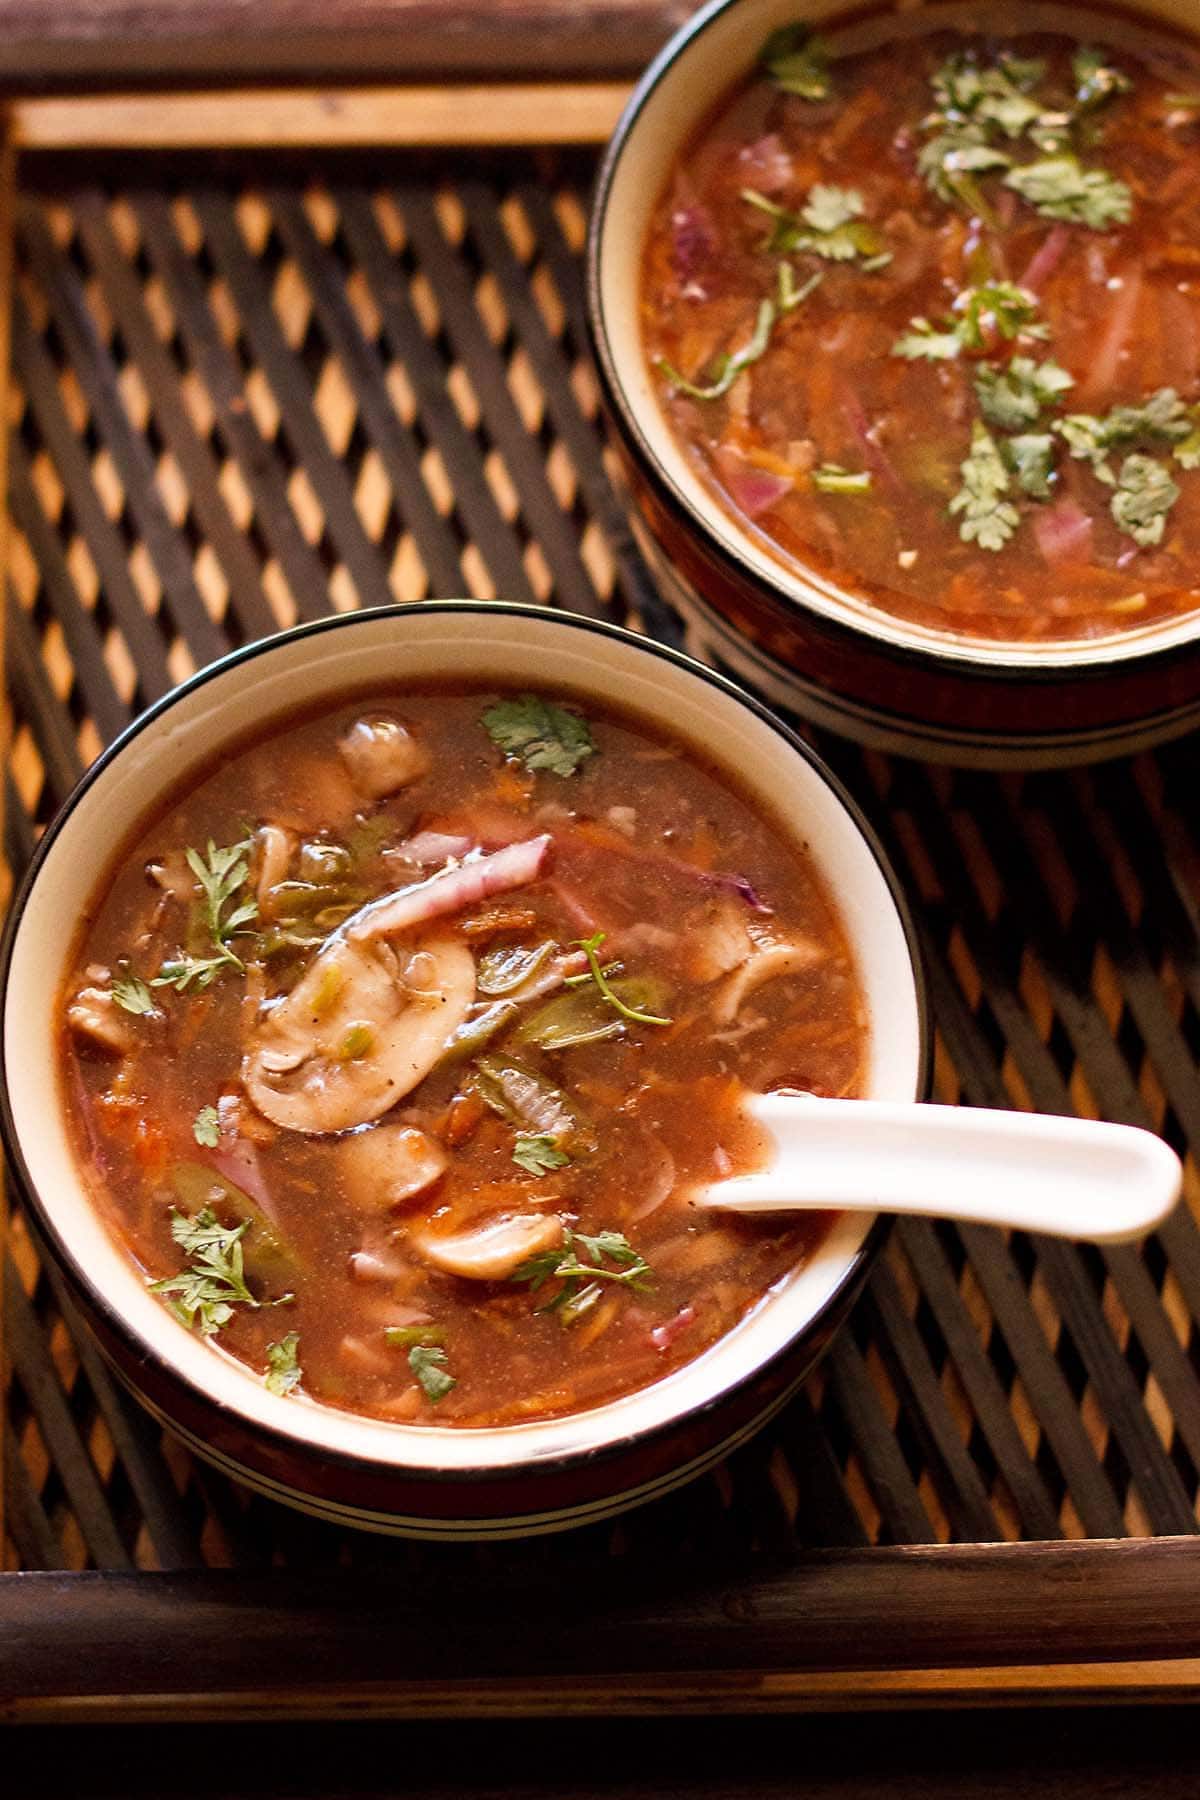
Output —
(206, 1127)
(831, 478)
(1061, 188)
(729, 365)
(829, 224)
(1163, 418)
(1145, 494)
(988, 518)
(582, 1280)
(283, 1365)
(539, 733)
(797, 62)
(1014, 396)
(220, 874)
(537, 1153)
(203, 1297)
(131, 992)
(1097, 79)
(428, 1364)
(993, 309)
(590, 946)
(1030, 456)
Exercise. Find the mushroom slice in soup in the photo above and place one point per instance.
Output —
(382, 756)
(492, 1250)
(390, 1164)
(353, 1036)
(771, 961)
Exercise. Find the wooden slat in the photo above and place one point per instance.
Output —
(326, 118)
(97, 1644)
(67, 43)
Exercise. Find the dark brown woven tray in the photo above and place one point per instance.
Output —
(245, 394)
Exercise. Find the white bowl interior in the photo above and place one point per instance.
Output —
(383, 650)
(710, 64)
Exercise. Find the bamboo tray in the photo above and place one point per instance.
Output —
(246, 391)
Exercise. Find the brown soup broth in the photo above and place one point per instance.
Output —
(691, 885)
(1116, 306)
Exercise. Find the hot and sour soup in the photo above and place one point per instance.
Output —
(394, 1048)
(922, 306)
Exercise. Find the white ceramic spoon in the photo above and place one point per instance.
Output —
(1077, 1178)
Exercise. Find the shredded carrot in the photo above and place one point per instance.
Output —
(513, 785)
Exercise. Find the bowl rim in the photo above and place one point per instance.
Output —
(49, 1238)
(1001, 660)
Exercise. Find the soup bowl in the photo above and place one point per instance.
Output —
(792, 632)
(439, 1481)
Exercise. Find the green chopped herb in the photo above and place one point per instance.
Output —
(791, 296)
(832, 479)
(284, 1373)
(1145, 494)
(538, 1153)
(1097, 79)
(1061, 188)
(988, 518)
(797, 62)
(1030, 456)
(203, 1297)
(590, 946)
(1015, 395)
(991, 309)
(1163, 418)
(951, 161)
(428, 1364)
(577, 1275)
(999, 95)
(221, 873)
(540, 734)
(829, 225)
(131, 992)
(729, 365)
(400, 1337)
(206, 1127)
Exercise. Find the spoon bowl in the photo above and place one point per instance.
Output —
(1073, 1178)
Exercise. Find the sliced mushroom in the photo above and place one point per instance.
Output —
(382, 756)
(352, 1037)
(94, 1015)
(276, 847)
(390, 1163)
(718, 943)
(493, 1250)
(775, 960)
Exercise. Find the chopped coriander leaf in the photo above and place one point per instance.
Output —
(797, 62)
(220, 873)
(537, 1153)
(951, 161)
(1030, 456)
(831, 479)
(790, 296)
(1014, 396)
(1163, 418)
(578, 1275)
(1097, 79)
(1145, 494)
(729, 365)
(590, 946)
(988, 518)
(284, 1373)
(1187, 454)
(206, 1127)
(400, 1337)
(540, 734)
(130, 991)
(829, 225)
(998, 95)
(428, 1364)
(1061, 188)
(203, 1297)
(994, 307)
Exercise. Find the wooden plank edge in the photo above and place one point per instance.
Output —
(956, 1624)
(881, 1690)
(331, 118)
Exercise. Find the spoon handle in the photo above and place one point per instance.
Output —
(1077, 1178)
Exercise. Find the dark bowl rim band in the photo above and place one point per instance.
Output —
(115, 1322)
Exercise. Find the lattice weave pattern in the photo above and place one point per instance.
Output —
(239, 404)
